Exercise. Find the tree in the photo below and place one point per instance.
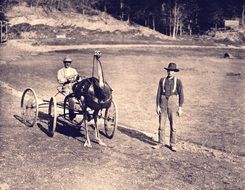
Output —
(178, 17)
(172, 17)
(243, 12)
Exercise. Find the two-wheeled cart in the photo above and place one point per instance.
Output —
(59, 111)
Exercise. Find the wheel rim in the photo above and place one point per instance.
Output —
(110, 120)
(29, 107)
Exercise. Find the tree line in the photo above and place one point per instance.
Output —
(170, 17)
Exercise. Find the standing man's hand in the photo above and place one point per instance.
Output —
(158, 110)
(180, 112)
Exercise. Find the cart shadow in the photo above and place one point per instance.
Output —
(20, 119)
(137, 135)
(62, 127)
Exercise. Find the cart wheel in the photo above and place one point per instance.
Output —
(52, 112)
(29, 107)
(110, 120)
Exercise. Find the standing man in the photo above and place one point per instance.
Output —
(169, 101)
(67, 76)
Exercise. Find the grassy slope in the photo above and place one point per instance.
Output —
(35, 23)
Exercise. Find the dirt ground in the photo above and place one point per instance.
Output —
(210, 134)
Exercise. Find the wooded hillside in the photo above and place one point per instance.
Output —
(171, 17)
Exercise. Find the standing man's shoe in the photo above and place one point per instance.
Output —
(173, 148)
(158, 146)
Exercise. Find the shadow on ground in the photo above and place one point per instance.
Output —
(65, 128)
(137, 135)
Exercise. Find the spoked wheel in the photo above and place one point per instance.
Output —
(110, 117)
(29, 107)
(52, 112)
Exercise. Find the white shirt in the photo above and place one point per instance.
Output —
(65, 73)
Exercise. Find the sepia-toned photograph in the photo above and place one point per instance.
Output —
(122, 95)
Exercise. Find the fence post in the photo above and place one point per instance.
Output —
(6, 32)
(3, 31)
(1, 34)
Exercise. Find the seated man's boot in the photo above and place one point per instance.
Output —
(72, 115)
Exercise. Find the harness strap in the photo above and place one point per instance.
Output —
(175, 84)
(163, 85)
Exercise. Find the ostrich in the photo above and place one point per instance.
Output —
(95, 94)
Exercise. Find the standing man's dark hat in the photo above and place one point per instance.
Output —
(172, 67)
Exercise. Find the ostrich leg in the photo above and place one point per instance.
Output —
(87, 142)
(97, 133)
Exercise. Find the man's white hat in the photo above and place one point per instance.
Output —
(67, 59)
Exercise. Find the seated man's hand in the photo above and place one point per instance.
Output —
(72, 78)
(67, 82)
(78, 78)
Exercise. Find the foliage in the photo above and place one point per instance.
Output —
(172, 17)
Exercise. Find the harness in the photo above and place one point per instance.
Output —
(163, 85)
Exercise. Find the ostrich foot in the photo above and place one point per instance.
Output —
(87, 144)
(101, 142)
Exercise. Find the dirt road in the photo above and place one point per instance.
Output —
(210, 154)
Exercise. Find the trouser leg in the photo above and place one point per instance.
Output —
(171, 117)
(71, 108)
(71, 104)
(161, 129)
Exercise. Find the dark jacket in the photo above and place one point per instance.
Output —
(167, 90)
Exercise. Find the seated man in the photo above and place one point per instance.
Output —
(67, 76)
